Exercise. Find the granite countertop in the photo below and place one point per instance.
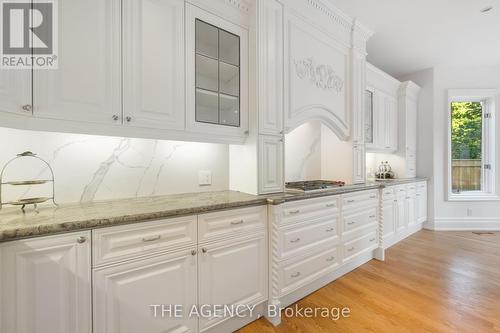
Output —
(71, 217)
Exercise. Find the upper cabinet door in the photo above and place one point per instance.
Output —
(271, 67)
(153, 63)
(86, 86)
(216, 74)
(15, 91)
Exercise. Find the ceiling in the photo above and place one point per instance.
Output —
(412, 35)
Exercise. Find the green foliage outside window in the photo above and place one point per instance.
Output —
(466, 130)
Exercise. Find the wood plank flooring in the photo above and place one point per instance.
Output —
(430, 282)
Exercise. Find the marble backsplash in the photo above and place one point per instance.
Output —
(89, 168)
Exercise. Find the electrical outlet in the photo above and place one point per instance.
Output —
(469, 211)
(205, 178)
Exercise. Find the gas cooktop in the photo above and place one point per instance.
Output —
(312, 186)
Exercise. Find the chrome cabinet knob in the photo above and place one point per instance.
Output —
(204, 250)
(193, 252)
(27, 108)
(115, 117)
(81, 239)
(128, 119)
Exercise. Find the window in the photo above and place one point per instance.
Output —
(217, 75)
(471, 145)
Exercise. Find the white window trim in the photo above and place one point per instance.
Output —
(490, 127)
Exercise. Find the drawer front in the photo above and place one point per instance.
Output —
(294, 275)
(306, 236)
(357, 199)
(400, 191)
(359, 245)
(304, 210)
(388, 194)
(422, 187)
(140, 239)
(229, 223)
(359, 219)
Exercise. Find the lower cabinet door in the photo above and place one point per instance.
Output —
(153, 295)
(232, 274)
(411, 210)
(400, 214)
(45, 285)
(389, 218)
(421, 207)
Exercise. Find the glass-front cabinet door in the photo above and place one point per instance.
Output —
(217, 87)
(217, 75)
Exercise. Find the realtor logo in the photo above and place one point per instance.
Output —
(29, 34)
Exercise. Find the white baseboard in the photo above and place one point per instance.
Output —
(464, 223)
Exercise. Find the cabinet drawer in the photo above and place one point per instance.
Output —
(365, 199)
(388, 194)
(359, 219)
(359, 245)
(304, 210)
(296, 274)
(422, 187)
(400, 191)
(305, 236)
(135, 240)
(217, 225)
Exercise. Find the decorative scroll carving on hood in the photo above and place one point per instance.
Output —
(323, 76)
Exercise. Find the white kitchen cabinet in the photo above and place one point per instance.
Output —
(15, 91)
(400, 212)
(153, 63)
(421, 202)
(388, 215)
(359, 164)
(124, 293)
(381, 116)
(270, 163)
(232, 272)
(408, 105)
(270, 66)
(45, 285)
(216, 75)
(87, 85)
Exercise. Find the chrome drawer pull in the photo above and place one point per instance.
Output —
(295, 275)
(295, 240)
(151, 239)
(371, 240)
(351, 201)
(418, 195)
(351, 223)
(351, 249)
(295, 211)
(407, 198)
(329, 229)
(237, 222)
(330, 259)
(373, 197)
(372, 216)
(330, 205)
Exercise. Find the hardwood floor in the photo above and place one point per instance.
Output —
(430, 282)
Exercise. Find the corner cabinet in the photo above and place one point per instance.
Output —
(45, 284)
(216, 75)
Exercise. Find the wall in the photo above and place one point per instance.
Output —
(433, 147)
(89, 168)
(313, 151)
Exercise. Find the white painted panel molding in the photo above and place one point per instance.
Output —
(87, 85)
(271, 169)
(153, 63)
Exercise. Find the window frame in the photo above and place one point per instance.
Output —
(488, 97)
